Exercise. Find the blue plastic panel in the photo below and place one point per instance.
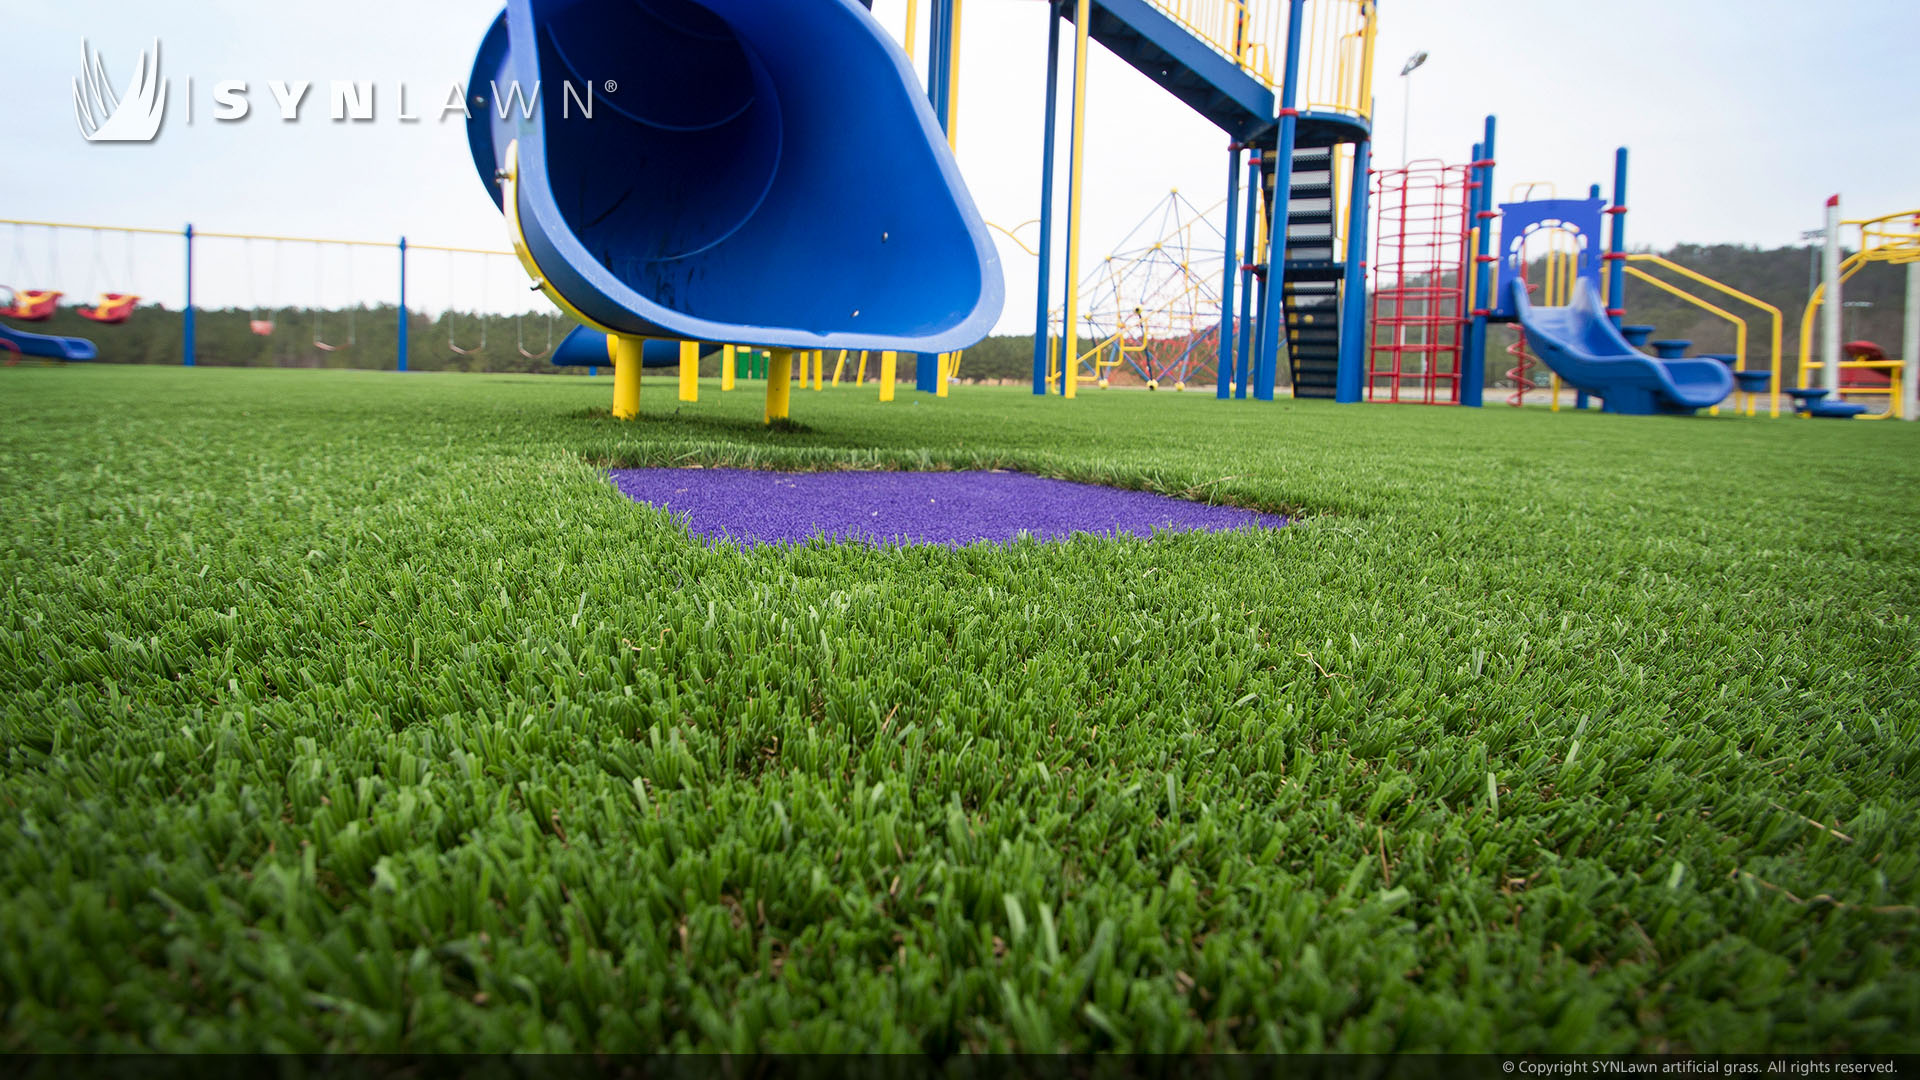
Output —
(1521, 220)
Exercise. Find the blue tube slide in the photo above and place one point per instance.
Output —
(755, 172)
(44, 346)
(1587, 351)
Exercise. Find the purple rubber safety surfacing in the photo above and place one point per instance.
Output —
(751, 506)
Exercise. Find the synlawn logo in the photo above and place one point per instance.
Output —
(131, 116)
(136, 114)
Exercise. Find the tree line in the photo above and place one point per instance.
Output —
(368, 337)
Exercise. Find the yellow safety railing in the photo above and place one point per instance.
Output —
(1894, 239)
(1775, 344)
(1336, 45)
(1336, 57)
(1739, 324)
(1252, 33)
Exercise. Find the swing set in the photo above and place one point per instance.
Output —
(39, 304)
(319, 303)
(30, 287)
(481, 316)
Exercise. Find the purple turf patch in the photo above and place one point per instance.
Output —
(751, 506)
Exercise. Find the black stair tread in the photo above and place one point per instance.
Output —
(1312, 270)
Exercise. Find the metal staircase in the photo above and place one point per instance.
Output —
(1244, 66)
(1311, 277)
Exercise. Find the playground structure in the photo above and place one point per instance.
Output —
(1290, 83)
(1153, 305)
(809, 258)
(806, 258)
(1861, 369)
(1449, 262)
(786, 257)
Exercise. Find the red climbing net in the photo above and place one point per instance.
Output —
(1420, 283)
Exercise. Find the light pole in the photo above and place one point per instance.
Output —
(1853, 321)
(1406, 109)
(1813, 237)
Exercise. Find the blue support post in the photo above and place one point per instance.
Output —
(1271, 315)
(1244, 355)
(1355, 341)
(1617, 241)
(1224, 366)
(1474, 351)
(1041, 352)
(939, 57)
(926, 372)
(1250, 366)
(187, 342)
(403, 303)
(1473, 374)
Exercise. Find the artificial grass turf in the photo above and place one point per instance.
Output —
(359, 711)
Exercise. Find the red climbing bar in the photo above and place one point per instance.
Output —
(1420, 269)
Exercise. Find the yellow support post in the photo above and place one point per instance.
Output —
(862, 377)
(839, 366)
(1365, 90)
(728, 357)
(689, 371)
(779, 384)
(953, 81)
(1076, 167)
(940, 368)
(819, 369)
(913, 17)
(626, 374)
(889, 371)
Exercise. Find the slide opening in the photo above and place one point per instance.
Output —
(766, 165)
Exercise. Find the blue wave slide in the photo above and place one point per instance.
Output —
(1587, 351)
(756, 172)
(43, 345)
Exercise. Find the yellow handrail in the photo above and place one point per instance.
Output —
(1890, 238)
(1013, 234)
(1739, 324)
(1336, 45)
(1849, 267)
(1778, 321)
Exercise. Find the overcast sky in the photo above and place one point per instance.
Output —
(1742, 116)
